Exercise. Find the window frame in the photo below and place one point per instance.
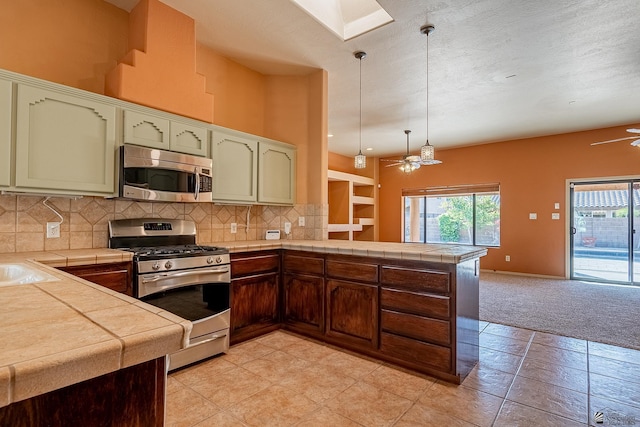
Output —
(473, 190)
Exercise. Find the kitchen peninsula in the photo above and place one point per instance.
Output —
(74, 352)
(414, 305)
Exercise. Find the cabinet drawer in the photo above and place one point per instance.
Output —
(303, 264)
(414, 279)
(352, 271)
(254, 264)
(418, 327)
(416, 303)
(417, 352)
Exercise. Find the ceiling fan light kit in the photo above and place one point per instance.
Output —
(360, 160)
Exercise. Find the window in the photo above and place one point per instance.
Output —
(467, 215)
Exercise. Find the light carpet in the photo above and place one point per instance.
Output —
(608, 314)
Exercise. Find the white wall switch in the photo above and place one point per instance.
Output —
(533, 215)
(287, 228)
(53, 230)
(555, 215)
(557, 205)
(234, 227)
(301, 221)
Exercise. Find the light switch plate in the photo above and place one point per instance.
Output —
(557, 206)
(301, 221)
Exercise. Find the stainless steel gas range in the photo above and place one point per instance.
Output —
(173, 273)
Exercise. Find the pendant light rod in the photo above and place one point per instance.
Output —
(426, 30)
(360, 159)
(407, 132)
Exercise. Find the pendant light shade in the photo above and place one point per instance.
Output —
(427, 151)
(360, 161)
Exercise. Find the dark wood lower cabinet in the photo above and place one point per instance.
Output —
(352, 313)
(421, 315)
(115, 276)
(130, 397)
(254, 305)
(304, 303)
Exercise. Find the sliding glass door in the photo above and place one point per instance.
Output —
(604, 246)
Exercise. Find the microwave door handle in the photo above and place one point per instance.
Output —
(195, 195)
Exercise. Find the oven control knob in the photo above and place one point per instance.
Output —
(168, 265)
(210, 260)
(156, 265)
(219, 259)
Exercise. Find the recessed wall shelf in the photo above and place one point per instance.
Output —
(351, 206)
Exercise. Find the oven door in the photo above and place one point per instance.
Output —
(199, 295)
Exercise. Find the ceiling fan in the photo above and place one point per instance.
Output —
(634, 143)
(409, 163)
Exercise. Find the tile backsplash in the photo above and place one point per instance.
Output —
(23, 221)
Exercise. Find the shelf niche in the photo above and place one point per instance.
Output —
(351, 206)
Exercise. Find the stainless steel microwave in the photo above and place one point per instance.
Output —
(158, 175)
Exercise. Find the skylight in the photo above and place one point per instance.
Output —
(346, 18)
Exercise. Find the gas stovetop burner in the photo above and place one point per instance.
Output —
(176, 251)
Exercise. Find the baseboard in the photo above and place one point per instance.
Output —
(515, 273)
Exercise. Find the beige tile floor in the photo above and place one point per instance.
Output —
(524, 378)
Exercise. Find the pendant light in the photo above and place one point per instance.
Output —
(360, 161)
(427, 151)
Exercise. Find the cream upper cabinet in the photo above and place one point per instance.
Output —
(188, 139)
(145, 129)
(5, 133)
(165, 134)
(235, 167)
(276, 173)
(64, 143)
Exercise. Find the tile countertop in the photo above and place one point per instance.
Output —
(448, 254)
(62, 332)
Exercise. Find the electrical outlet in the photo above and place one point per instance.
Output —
(301, 221)
(287, 228)
(234, 228)
(53, 230)
(507, 258)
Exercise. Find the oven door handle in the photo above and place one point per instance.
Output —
(164, 276)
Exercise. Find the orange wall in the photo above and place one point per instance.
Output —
(532, 174)
(240, 93)
(75, 42)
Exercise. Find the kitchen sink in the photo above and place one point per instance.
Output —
(20, 274)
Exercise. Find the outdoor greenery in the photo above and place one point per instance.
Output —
(458, 216)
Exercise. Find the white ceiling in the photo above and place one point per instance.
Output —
(498, 69)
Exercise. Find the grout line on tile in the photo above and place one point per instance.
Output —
(526, 350)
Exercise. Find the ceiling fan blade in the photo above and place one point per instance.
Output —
(635, 143)
(391, 160)
(633, 130)
(613, 140)
(393, 164)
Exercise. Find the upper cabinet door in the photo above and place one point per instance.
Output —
(277, 173)
(64, 142)
(146, 130)
(189, 139)
(235, 167)
(5, 133)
